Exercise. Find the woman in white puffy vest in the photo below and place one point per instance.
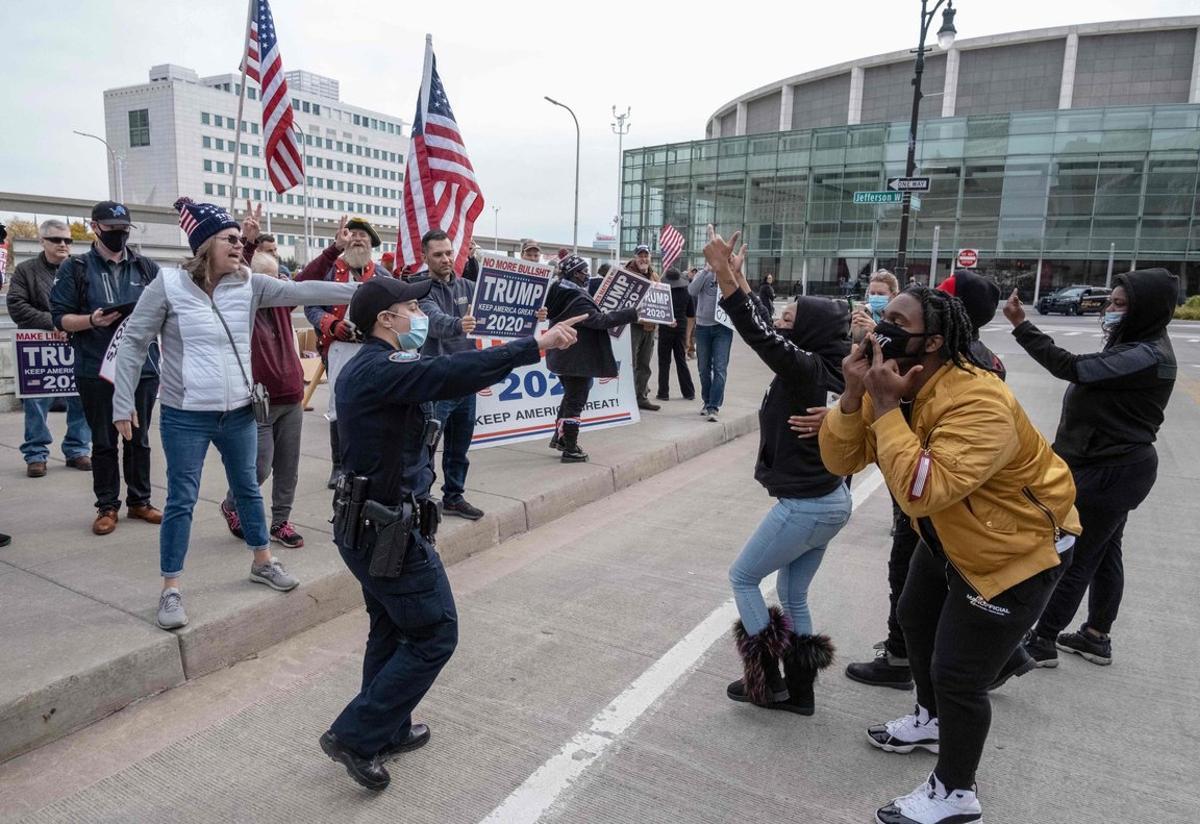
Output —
(204, 314)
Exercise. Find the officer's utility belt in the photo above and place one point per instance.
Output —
(387, 531)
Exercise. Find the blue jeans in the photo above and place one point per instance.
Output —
(792, 539)
(458, 425)
(36, 446)
(712, 359)
(185, 438)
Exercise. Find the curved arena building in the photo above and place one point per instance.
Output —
(1049, 151)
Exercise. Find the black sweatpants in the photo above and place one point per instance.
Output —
(575, 395)
(957, 644)
(673, 343)
(1104, 497)
(904, 542)
(96, 395)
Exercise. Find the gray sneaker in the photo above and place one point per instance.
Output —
(170, 610)
(274, 576)
(712, 415)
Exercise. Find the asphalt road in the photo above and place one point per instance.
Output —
(589, 681)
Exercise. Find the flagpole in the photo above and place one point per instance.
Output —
(237, 146)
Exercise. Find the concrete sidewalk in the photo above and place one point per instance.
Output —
(77, 632)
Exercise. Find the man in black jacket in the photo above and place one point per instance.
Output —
(1110, 418)
(29, 307)
(89, 298)
(672, 340)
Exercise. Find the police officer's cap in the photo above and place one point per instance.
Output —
(379, 294)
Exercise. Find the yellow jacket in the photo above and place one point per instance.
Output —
(998, 496)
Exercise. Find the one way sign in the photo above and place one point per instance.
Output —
(908, 184)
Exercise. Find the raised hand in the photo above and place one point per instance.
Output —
(1013, 309)
(342, 238)
(854, 372)
(885, 383)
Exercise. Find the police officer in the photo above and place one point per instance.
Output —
(384, 522)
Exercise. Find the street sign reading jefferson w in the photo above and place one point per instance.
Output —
(908, 184)
(878, 197)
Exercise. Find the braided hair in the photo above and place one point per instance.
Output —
(945, 315)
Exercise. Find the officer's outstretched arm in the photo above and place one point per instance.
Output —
(412, 379)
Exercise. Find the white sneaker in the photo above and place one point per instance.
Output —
(914, 731)
(931, 804)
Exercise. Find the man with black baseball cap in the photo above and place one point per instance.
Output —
(92, 294)
(384, 522)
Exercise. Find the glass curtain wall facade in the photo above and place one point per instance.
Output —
(1051, 192)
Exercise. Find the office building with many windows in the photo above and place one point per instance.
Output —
(1049, 152)
(177, 135)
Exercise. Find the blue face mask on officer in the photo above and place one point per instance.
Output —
(418, 330)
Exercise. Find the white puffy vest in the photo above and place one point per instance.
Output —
(208, 366)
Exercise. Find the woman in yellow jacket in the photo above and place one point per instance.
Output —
(995, 511)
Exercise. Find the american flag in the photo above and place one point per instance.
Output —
(263, 65)
(670, 243)
(440, 190)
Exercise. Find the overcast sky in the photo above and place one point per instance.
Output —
(673, 63)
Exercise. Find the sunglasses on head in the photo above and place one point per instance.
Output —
(65, 240)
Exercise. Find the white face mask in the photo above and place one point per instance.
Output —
(1110, 320)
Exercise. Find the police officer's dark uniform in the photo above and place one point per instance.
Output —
(384, 523)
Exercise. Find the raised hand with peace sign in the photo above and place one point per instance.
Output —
(251, 222)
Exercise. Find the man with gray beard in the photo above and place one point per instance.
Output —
(347, 258)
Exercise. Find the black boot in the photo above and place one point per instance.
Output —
(368, 772)
(335, 454)
(568, 442)
(807, 655)
(761, 683)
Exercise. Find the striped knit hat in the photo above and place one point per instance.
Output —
(200, 221)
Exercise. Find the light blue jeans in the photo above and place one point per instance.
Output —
(36, 447)
(186, 436)
(791, 539)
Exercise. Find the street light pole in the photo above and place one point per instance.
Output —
(945, 37)
(496, 215)
(620, 128)
(575, 234)
(118, 162)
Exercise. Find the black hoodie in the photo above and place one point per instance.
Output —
(591, 356)
(808, 367)
(1115, 404)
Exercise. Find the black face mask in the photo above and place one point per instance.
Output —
(114, 240)
(893, 341)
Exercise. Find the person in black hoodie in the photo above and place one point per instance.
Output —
(672, 340)
(1111, 414)
(591, 356)
(812, 504)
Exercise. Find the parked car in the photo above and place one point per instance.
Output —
(1074, 300)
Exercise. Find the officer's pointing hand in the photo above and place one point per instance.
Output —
(561, 335)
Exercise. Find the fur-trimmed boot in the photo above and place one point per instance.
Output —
(569, 442)
(806, 656)
(761, 683)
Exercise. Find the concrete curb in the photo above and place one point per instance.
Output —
(246, 626)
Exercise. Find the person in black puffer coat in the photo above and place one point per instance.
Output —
(1110, 418)
(590, 357)
(812, 504)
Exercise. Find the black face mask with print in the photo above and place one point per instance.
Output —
(893, 343)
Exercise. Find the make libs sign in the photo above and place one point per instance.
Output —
(45, 364)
